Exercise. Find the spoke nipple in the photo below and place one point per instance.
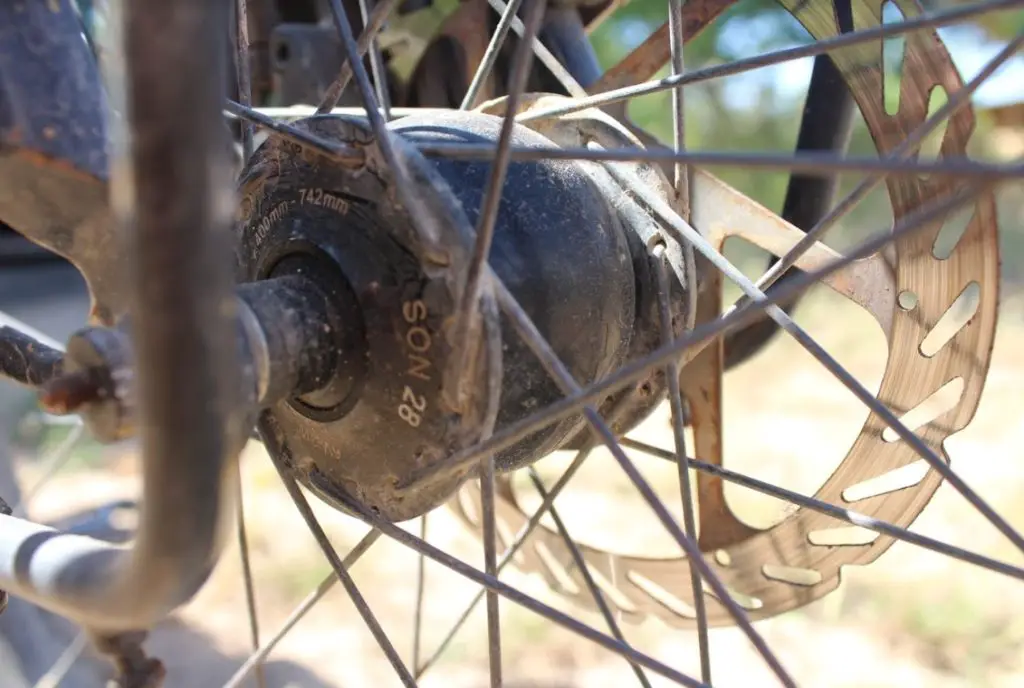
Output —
(66, 394)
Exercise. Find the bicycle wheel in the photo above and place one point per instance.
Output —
(432, 300)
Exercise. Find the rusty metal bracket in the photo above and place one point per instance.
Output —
(53, 144)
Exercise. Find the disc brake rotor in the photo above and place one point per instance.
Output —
(908, 292)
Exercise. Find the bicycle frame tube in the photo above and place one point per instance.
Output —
(173, 191)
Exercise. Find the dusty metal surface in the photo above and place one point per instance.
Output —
(53, 144)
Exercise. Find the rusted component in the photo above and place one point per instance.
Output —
(25, 360)
(134, 668)
(295, 337)
(98, 383)
(53, 145)
(67, 393)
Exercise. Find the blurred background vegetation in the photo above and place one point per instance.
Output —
(760, 110)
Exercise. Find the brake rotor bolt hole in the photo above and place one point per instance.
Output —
(907, 300)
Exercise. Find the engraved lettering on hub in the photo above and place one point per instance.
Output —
(323, 199)
(418, 342)
(267, 222)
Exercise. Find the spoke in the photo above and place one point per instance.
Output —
(420, 213)
(307, 110)
(244, 75)
(524, 532)
(675, 398)
(421, 580)
(258, 657)
(826, 124)
(372, 27)
(250, 588)
(553, 64)
(67, 659)
(820, 163)
(345, 154)
(243, 71)
(595, 591)
(556, 369)
(380, 73)
(520, 539)
(841, 513)
(686, 233)
(696, 338)
(522, 599)
(810, 162)
(925, 21)
(490, 539)
(466, 317)
(483, 70)
(682, 172)
(273, 441)
(675, 22)
(54, 462)
(909, 145)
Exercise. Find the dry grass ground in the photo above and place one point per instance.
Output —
(912, 619)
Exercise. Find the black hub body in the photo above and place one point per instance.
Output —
(576, 264)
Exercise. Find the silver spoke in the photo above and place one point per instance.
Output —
(518, 541)
(675, 398)
(841, 513)
(54, 462)
(524, 600)
(556, 369)
(311, 600)
(250, 587)
(524, 533)
(243, 71)
(67, 659)
(822, 163)
(808, 162)
(244, 83)
(421, 581)
(681, 182)
(286, 131)
(466, 317)
(909, 145)
(268, 431)
(543, 54)
(925, 21)
(420, 214)
(483, 70)
(676, 224)
(373, 24)
(588, 578)
(699, 336)
(380, 73)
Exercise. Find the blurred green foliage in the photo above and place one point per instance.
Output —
(768, 117)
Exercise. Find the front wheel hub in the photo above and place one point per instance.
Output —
(577, 264)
